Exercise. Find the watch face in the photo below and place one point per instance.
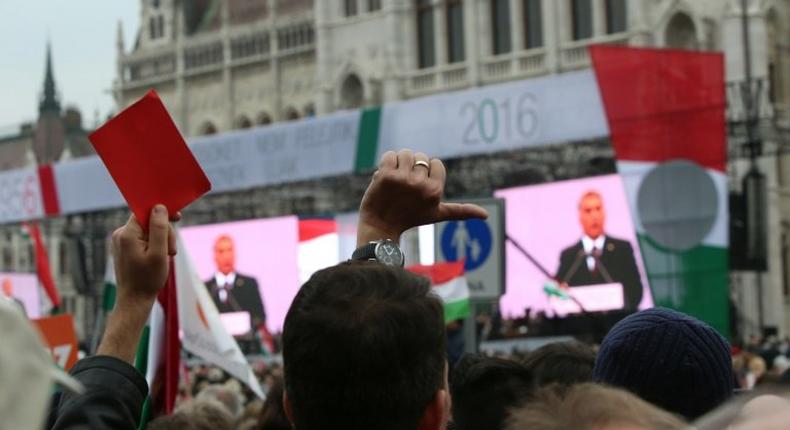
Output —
(388, 253)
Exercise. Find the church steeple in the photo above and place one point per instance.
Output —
(49, 97)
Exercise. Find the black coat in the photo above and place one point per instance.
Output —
(244, 296)
(617, 258)
(113, 398)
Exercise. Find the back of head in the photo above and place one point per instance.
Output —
(484, 390)
(363, 347)
(199, 414)
(230, 399)
(590, 407)
(272, 416)
(565, 363)
(669, 359)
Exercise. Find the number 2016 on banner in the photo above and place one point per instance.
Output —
(489, 120)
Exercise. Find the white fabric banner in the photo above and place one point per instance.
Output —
(529, 113)
(20, 195)
(287, 152)
(204, 334)
(85, 185)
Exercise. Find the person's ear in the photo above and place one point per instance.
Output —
(289, 412)
(437, 412)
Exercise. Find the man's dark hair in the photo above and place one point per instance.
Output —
(363, 348)
(485, 389)
(564, 363)
(272, 416)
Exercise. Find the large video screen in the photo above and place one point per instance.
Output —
(248, 266)
(22, 288)
(573, 246)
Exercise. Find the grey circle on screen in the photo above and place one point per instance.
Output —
(678, 204)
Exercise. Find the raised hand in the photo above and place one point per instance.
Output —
(141, 269)
(405, 192)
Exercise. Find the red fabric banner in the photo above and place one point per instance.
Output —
(663, 104)
(49, 194)
(42, 264)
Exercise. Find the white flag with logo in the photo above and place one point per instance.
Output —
(204, 334)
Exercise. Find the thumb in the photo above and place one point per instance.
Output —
(158, 228)
(460, 211)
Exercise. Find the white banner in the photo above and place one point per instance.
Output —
(20, 195)
(531, 113)
(85, 185)
(535, 112)
(287, 152)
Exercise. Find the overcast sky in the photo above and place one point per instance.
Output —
(83, 35)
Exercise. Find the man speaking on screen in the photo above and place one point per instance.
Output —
(232, 291)
(598, 258)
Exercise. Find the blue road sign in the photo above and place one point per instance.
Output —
(468, 240)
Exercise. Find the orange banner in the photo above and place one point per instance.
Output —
(61, 339)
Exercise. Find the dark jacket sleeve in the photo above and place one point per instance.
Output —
(113, 398)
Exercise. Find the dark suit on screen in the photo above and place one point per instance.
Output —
(617, 258)
(243, 296)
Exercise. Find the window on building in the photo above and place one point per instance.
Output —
(160, 25)
(681, 32)
(352, 92)
(152, 28)
(208, 129)
(264, 119)
(425, 35)
(500, 23)
(291, 114)
(243, 122)
(455, 31)
(8, 257)
(616, 16)
(581, 19)
(374, 5)
(63, 256)
(350, 7)
(533, 24)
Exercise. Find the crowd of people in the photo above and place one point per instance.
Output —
(364, 346)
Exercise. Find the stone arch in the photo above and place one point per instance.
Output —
(207, 128)
(291, 114)
(681, 32)
(352, 92)
(264, 119)
(242, 122)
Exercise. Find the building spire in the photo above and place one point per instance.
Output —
(49, 97)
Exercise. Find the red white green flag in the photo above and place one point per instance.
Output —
(449, 283)
(665, 110)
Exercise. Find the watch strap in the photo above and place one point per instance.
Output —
(365, 252)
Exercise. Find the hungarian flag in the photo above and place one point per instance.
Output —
(159, 352)
(42, 264)
(449, 283)
(319, 246)
(666, 115)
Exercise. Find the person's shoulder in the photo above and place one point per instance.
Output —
(245, 279)
(571, 250)
(617, 243)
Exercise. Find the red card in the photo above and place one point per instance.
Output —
(148, 159)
